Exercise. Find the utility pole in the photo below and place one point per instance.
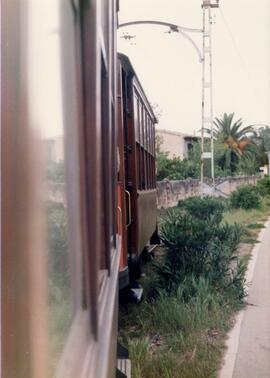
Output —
(207, 85)
(205, 57)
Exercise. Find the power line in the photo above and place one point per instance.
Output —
(241, 59)
(243, 63)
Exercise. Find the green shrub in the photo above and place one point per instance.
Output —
(204, 208)
(175, 168)
(230, 234)
(263, 186)
(245, 197)
(236, 286)
(198, 248)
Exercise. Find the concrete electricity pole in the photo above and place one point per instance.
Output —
(205, 57)
(207, 85)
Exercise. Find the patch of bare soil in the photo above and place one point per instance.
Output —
(244, 249)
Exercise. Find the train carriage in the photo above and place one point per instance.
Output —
(78, 186)
(60, 243)
(136, 123)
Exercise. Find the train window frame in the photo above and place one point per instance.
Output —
(136, 117)
(136, 120)
(98, 282)
(82, 354)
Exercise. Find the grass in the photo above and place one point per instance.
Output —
(253, 220)
(170, 338)
(255, 226)
(247, 217)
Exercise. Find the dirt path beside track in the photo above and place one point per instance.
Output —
(248, 354)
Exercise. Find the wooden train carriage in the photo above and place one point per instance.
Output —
(137, 127)
(60, 247)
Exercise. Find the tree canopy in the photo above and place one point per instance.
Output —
(236, 141)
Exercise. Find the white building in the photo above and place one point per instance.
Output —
(176, 144)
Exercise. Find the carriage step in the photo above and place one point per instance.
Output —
(123, 362)
(138, 293)
(131, 294)
(123, 368)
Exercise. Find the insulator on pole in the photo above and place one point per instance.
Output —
(210, 4)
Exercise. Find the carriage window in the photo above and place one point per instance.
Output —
(145, 130)
(136, 119)
(47, 115)
(153, 139)
(148, 134)
(142, 124)
(107, 170)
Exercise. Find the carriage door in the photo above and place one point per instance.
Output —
(130, 167)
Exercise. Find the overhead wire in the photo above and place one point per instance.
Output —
(242, 61)
(240, 57)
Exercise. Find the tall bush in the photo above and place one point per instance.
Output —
(197, 247)
(203, 208)
(263, 186)
(245, 197)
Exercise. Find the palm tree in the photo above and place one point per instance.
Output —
(236, 141)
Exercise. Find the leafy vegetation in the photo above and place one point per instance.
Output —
(204, 208)
(59, 281)
(245, 197)
(59, 275)
(236, 140)
(251, 219)
(263, 186)
(238, 150)
(175, 168)
(198, 247)
(56, 172)
(176, 339)
(193, 288)
(262, 137)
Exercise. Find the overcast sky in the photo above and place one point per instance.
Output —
(168, 67)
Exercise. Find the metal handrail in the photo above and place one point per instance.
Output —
(129, 208)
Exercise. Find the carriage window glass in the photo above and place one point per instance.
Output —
(136, 123)
(142, 124)
(45, 96)
(145, 130)
(149, 153)
(138, 118)
(106, 171)
(152, 138)
(148, 134)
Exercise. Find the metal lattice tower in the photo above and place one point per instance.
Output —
(207, 85)
(205, 57)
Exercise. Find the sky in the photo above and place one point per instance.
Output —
(44, 75)
(168, 66)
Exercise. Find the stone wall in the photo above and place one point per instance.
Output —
(170, 192)
(229, 184)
